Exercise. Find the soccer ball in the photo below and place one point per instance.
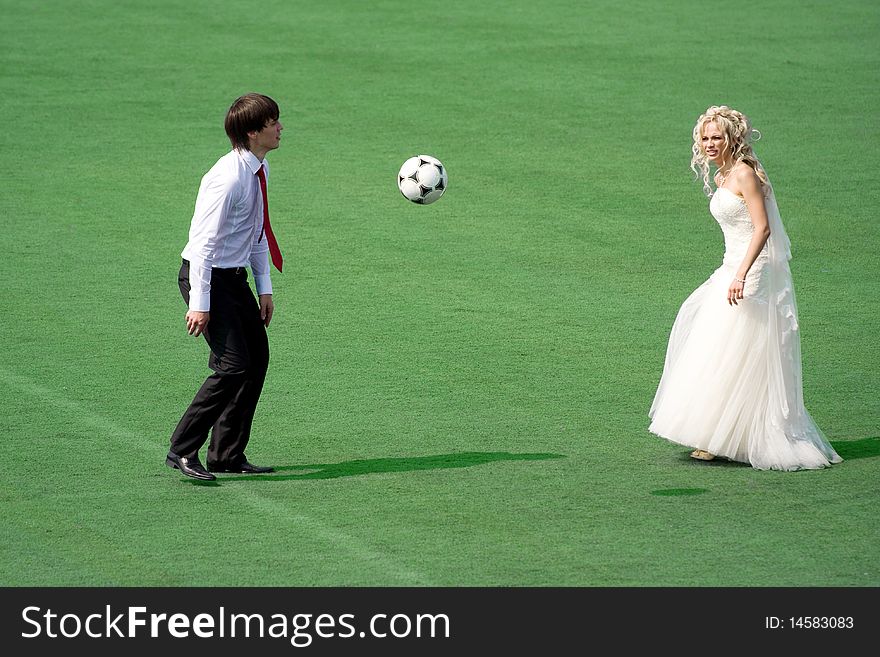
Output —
(422, 179)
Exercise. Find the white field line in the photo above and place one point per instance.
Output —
(78, 413)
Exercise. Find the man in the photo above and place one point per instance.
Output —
(230, 230)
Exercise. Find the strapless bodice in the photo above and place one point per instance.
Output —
(732, 214)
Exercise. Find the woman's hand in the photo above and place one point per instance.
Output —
(735, 291)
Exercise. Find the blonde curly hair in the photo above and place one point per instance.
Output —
(738, 136)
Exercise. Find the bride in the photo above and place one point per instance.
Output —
(731, 384)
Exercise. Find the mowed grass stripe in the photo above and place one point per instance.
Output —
(116, 438)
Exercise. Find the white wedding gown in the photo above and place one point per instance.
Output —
(731, 382)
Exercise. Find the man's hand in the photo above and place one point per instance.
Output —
(196, 321)
(267, 308)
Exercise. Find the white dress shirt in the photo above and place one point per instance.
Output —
(227, 226)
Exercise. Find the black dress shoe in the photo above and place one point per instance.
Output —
(190, 466)
(242, 468)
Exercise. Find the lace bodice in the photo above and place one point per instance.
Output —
(732, 214)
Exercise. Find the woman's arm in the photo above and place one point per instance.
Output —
(745, 183)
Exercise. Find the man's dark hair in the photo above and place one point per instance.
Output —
(249, 113)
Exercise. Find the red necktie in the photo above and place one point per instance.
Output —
(274, 251)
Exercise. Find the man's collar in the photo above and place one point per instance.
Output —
(249, 159)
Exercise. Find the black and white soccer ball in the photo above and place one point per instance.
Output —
(422, 179)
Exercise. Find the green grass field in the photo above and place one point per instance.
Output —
(458, 393)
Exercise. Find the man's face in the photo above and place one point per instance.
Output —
(268, 138)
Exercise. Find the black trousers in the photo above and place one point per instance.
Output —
(226, 402)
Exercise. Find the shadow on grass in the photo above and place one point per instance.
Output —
(674, 492)
(717, 462)
(374, 466)
(863, 448)
(848, 450)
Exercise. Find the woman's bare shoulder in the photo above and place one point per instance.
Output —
(743, 180)
(744, 175)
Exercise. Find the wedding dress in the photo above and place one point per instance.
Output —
(731, 382)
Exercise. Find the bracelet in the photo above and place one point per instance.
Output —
(739, 280)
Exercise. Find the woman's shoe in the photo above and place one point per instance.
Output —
(702, 455)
